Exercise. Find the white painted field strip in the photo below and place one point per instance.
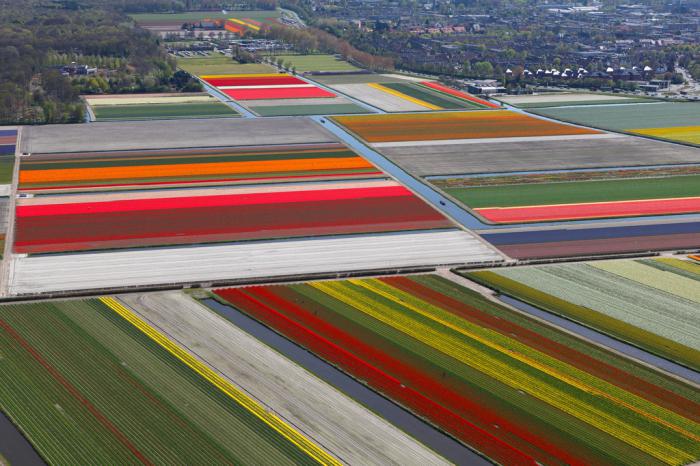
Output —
(265, 86)
(447, 142)
(332, 419)
(84, 271)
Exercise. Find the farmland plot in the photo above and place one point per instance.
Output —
(436, 348)
(649, 303)
(670, 121)
(334, 420)
(152, 218)
(87, 386)
(255, 260)
(559, 201)
(99, 171)
(562, 99)
(389, 129)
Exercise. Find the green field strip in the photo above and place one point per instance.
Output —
(166, 111)
(301, 110)
(680, 267)
(316, 63)
(574, 103)
(624, 331)
(540, 417)
(471, 298)
(624, 117)
(162, 408)
(432, 97)
(674, 285)
(572, 192)
(462, 100)
(7, 165)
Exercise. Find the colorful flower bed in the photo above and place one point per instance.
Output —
(190, 167)
(8, 139)
(650, 303)
(150, 218)
(512, 388)
(597, 240)
(265, 86)
(559, 201)
(453, 125)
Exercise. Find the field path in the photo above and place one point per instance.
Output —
(333, 420)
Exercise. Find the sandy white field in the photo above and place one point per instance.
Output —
(333, 420)
(378, 98)
(246, 260)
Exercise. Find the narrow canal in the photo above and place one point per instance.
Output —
(425, 433)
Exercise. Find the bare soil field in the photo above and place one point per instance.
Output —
(537, 155)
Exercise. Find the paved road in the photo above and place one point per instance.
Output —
(7, 261)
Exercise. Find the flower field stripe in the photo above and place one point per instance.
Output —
(461, 399)
(222, 384)
(278, 79)
(404, 96)
(293, 176)
(284, 93)
(590, 210)
(415, 127)
(245, 75)
(541, 361)
(267, 86)
(624, 380)
(361, 369)
(510, 375)
(689, 134)
(170, 226)
(211, 201)
(75, 392)
(455, 93)
(199, 169)
(245, 23)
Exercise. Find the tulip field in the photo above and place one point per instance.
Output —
(89, 382)
(81, 222)
(97, 171)
(516, 390)
(651, 303)
(671, 121)
(575, 200)
(377, 129)
(265, 86)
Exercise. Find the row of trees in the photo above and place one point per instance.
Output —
(312, 39)
(35, 41)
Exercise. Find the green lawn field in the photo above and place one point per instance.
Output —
(87, 387)
(219, 64)
(625, 117)
(163, 111)
(577, 191)
(317, 63)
